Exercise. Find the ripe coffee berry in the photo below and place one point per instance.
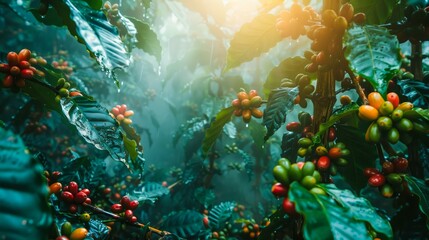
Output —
(129, 214)
(67, 196)
(73, 187)
(133, 205)
(80, 197)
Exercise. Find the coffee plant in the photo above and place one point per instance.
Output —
(200, 119)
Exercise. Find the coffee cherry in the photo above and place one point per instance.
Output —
(133, 205)
(67, 196)
(376, 180)
(79, 234)
(86, 191)
(73, 187)
(279, 190)
(116, 208)
(347, 11)
(359, 18)
(133, 219)
(85, 217)
(388, 167)
(73, 208)
(15, 71)
(345, 100)
(80, 197)
(125, 201)
(8, 81)
(401, 165)
(88, 201)
(323, 163)
(128, 214)
(12, 59)
(27, 73)
(55, 188)
(62, 238)
(24, 55)
(289, 207)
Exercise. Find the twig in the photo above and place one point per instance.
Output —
(380, 153)
(388, 148)
(358, 88)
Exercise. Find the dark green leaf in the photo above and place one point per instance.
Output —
(185, 224)
(416, 92)
(354, 139)
(279, 102)
(97, 230)
(188, 129)
(146, 38)
(50, 19)
(219, 214)
(253, 39)
(373, 53)
(348, 110)
(92, 29)
(421, 189)
(288, 68)
(95, 4)
(24, 210)
(324, 218)
(216, 127)
(204, 196)
(277, 220)
(290, 145)
(360, 209)
(95, 125)
(257, 130)
(377, 12)
(424, 113)
(41, 91)
(150, 192)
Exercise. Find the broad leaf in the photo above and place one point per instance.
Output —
(40, 91)
(257, 130)
(216, 127)
(95, 4)
(358, 160)
(277, 220)
(150, 192)
(279, 102)
(324, 218)
(421, 189)
(290, 145)
(24, 210)
(91, 28)
(186, 224)
(288, 68)
(146, 38)
(50, 19)
(252, 40)
(376, 12)
(97, 230)
(84, 170)
(416, 92)
(349, 110)
(360, 209)
(219, 214)
(95, 125)
(204, 196)
(373, 53)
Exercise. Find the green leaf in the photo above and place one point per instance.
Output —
(91, 28)
(257, 130)
(252, 40)
(147, 39)
(24, 210)
(41, 92)
(97, 230)
(360, 209)
(362, 154)
(150, 192)
(374, 54)
(421, 189)
(95, 125)
(376, 12)
(221, 213)
(277, 220)
(215, 129)
(424, 113)
(187, 224)
(416, 92)
(324, 218)
(346, 111)
(279, 102)
(95, 4)
(288, 68)
(50, 19)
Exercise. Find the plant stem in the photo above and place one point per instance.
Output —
(117, 217)
(380, 153)
(358, 87)
(416, 61)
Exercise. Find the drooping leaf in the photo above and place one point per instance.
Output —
(373, 53)
(376, 12)
(185, 224)
(50, 19)
(360, 209)
(97, 230)
(354, 139)
(288, 68)
(40, 91)
(23, 193)
(416, 92)
(324, 218)
(421, 189)
(219, 214)
(150, 192)
(279, 102)
(95, 125)
(95, 4)
(346, 111)
(290, 145)
(84, 170)
(257, 130)
(253, 39)
(92, 28)
(277, 221)
(216, 127)
(147, 39)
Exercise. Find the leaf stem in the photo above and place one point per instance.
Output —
(358, 87)
(380, 153)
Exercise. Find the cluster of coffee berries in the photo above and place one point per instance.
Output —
(328, 160)
(222, 234)
(126, 208)
(67, 232)
(114, 17)
(327, 38)
(64, 90)
(291, 23)
(247, 105)
(285, 173)
(35, 127)
(391, 120)
(74, 196)
(62, 65)
(121, 114)
(303, 82)
(250, 229)
(304, 126)
(389, 180)
(17, 69)
(415, 26)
